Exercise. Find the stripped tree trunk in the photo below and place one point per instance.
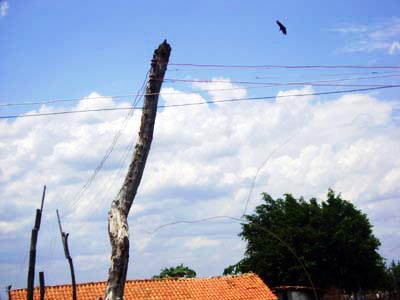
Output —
(117, 216)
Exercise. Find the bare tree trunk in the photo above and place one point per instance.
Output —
(32, 250)
(117, 216)
(64, 238)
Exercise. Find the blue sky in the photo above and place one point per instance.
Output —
(68, 49)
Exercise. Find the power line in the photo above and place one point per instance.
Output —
(263, 164)
(359, 73)
(110, 149)
(284, 66)
(270, 232)
(262, 84)
(65, 112)
(277, 76)
(347, 78)
(312, 83)
(203, 102)
(281, 96)
(37, 102)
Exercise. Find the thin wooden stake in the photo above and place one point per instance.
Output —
(32, 250)
(42, 286)
(64, 237)
(9, 291)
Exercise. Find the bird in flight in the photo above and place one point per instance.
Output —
(281, 27)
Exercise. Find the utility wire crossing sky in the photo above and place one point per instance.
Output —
(202, 103)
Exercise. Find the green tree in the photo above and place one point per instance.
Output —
(332, 240)
(178, 271)
(392, 279)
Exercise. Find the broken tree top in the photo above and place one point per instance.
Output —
(162, 53)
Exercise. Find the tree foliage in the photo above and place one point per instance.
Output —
(333, 240)
(178, 271)
(392, 279)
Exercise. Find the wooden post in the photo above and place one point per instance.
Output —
(8, 289)
(42, 286)
(64, 238)
(32, 250)
(118, 229)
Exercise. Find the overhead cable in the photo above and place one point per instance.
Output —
(286, 66)
(313, 83)
(110, 149)
(204, 102)
(261, 85)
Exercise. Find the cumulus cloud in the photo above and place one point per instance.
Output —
(201, 242)
(384, 36)
(3, 8)
(202, 163)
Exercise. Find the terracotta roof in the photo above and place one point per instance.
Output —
(244, 287)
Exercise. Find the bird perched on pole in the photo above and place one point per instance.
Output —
(281, 27)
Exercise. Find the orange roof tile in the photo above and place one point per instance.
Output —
(244, 287)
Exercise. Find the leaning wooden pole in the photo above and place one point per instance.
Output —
(32, 250)
(117, 216)
(64, 238)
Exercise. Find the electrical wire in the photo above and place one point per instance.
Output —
(266, 84)
(124, 157)
(40, 102)
(311, 83)
(283, 66)
(277, 76)
(121, 163)
(205, 102)
(291, 137)
(36, 102)
(344, 79)
(109, 150)
(248, 223)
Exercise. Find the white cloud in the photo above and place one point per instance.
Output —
(221, 88)
(3, 8)
(394, 47)
(201, 242)
(202, 162)
(384, 36)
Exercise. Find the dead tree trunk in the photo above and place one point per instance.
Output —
(117, 216)
(32, 250)
(64, 237)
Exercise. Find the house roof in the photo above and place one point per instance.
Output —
(244, 287)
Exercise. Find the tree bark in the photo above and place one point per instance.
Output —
(42, 285)
(32, 250)
(64, 239)
(118, 229)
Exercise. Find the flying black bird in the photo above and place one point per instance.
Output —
(281, 27)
